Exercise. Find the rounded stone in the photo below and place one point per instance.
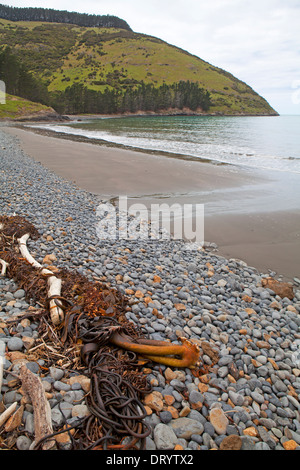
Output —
(61, 386)
(15, 344)
(185, 427)
(164, 437)
(19, 294)
(219, 420)
(80, 411)
(56, 373)
(232, 442)
(165, 416)
(23, 443)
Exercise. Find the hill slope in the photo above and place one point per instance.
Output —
(113, 62)
(17, 108)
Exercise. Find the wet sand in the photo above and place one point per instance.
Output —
(112, 171)
(245, 214)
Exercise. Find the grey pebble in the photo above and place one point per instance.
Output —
(164, 437)
(15, 344)
(23, 443)
(19, 294)
(56, 373)
(61, 386)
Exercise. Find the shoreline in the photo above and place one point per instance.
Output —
(239, 202)
(48, 117)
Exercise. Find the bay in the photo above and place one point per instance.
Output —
(266, 142)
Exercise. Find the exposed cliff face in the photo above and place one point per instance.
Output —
(120, 60)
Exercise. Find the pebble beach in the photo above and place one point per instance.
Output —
(248, 397)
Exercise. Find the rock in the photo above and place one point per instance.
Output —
(154, 400)
(15, 344)
(48, 259)
(169, 374)
(84, 381)
(291, 308)
(248, 443)
(164, 437)
(290, 445)
(210, 351)
(56, 373)
(275, 305)
(61, 386)
(266, 437)
(185, 411)
(251, 431)
(19, 294)
(196, 399)
(283, 289)
(219, 420)
(28, 342)
(80, 411)
(236, 398)
(292, 435)
(29, 424)
(66, 409)
(185, 427)
(57, 417)
(176, 374)
(165, 416)
(231, 443)
(23, 443)
(261, 446)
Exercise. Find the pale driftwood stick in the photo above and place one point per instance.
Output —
(7, 413)
(4, 267)
(33, 387)
(56, 311)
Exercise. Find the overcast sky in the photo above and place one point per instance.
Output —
(258, 41)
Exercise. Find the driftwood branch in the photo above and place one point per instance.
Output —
(33, 388)
(7, 413)
(4, 267)
(56, 311)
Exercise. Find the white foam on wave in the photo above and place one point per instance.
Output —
(222, 153)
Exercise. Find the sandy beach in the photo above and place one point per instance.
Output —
(245, 214)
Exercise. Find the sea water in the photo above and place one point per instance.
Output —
(266, 142)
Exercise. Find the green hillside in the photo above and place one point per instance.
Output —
(16, 108)
(80, 64)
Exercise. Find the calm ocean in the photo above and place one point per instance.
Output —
(258, 142)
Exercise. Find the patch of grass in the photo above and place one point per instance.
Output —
(17, 108)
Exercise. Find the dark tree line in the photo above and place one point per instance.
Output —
(145, 97)
(78, 99)
(19, 81)
(57, 16)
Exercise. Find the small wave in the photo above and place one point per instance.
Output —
(219, 151)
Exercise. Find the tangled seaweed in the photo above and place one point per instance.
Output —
(91, 338)
(92, 312)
